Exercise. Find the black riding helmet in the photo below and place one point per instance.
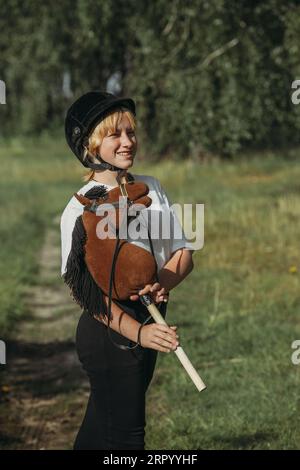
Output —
(84, 115)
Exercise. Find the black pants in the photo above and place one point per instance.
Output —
(115, 414)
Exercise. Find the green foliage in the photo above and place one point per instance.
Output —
(207, 76)
(42, 41)
(215, 76)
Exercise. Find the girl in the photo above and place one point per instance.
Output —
(101, 131)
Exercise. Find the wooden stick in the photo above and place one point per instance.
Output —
(153, 310)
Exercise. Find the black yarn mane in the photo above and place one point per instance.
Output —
(96, 191)
(77, 276)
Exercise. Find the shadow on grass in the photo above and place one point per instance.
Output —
(9, 439)
(247, 441)
(43, 370)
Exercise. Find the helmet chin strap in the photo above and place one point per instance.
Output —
(103, 165)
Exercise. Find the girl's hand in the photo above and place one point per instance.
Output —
(162, 338)
(157, 293)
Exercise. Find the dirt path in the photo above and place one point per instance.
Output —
(44, 390)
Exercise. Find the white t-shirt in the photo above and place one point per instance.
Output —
(163, 247)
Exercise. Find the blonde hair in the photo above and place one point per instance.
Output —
(107, 125)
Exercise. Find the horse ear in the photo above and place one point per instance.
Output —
(82, 199)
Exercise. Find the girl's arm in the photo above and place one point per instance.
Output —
(121, 322)
(176, 269)
(159, 337)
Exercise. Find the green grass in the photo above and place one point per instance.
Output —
(237, 312)
(35, 184)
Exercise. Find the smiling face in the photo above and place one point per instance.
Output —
(119, 146)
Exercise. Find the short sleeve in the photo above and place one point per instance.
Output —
(178, 239)
(67, 222)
